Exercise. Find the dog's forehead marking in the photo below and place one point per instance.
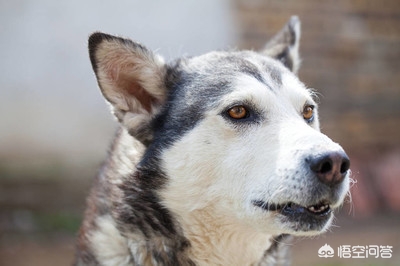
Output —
(272, 80)
(227, 65)
(275, 73)
(249, 90)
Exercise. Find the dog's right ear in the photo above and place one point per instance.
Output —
(131, 79)
(284, 46)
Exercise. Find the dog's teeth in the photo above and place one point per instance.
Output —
(318, 208)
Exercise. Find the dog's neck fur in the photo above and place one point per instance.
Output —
(217, 241)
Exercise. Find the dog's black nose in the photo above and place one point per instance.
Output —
(331, 168)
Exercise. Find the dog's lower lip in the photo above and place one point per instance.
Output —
(321, 209)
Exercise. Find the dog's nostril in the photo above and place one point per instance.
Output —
(345, 165)
(321, 165)
(326, 167)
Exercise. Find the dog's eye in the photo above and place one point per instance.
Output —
(238, 112)
(308, 113)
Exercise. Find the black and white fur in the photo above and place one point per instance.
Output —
(187, 183)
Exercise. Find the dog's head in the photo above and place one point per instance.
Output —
(235, 133)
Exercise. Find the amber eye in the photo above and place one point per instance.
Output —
(237, 112)
(308, 112)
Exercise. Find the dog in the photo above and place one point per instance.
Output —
(218, 159)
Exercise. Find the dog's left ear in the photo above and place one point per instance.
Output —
(284, 46)
(131, 78)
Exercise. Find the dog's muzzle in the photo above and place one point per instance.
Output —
(328, 171)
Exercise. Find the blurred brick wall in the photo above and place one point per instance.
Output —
(351, 55)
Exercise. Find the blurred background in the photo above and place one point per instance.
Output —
(55, 127)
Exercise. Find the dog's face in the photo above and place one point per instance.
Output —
(252, 150)
(235, 134)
